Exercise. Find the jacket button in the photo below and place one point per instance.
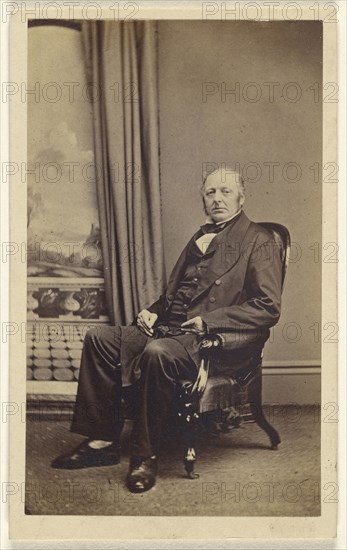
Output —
(170, 296)
(218, 282)
(212, 299)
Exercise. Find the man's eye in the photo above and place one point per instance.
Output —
(226, 191)
(209, 193)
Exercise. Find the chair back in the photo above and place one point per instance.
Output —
(282, 239)
(219, 391)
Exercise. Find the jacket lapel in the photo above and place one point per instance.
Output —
(227, 247)
(177, 271)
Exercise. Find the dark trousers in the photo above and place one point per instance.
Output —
(98, 405)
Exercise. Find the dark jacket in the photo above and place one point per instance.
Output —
(239, 297)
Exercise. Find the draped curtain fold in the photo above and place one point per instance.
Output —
(121, 64)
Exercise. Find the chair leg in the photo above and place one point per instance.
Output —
(255, 402)
(187, 411)
(264, 424)
(190, 453)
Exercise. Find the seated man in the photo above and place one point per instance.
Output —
(226, 281)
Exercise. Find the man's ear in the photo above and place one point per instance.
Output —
(204, 204)
(241, 200)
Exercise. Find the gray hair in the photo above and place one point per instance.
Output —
(239, 180)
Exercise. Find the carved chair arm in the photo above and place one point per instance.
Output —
(207, 346)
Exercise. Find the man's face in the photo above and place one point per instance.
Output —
(221, 195)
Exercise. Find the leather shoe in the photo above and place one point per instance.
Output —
(142, 474)
(85, 456)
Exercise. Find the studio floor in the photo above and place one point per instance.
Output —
(239, 474)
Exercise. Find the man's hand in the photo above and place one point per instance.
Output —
(195, 326)
(145, 321)
(209, 344)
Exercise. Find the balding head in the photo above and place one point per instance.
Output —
(223, 193)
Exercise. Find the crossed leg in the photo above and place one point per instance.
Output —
(97, 412)
(163, 362)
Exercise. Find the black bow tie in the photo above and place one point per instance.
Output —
(212, 228)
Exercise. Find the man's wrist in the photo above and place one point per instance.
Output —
(204, 326)
(221, 340)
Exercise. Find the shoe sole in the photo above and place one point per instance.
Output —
(134, 489)
(80, 466)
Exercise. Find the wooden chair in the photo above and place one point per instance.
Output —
(221, 401)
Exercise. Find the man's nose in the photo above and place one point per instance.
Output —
(218, 197)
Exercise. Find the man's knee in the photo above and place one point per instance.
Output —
(91, 336)
(97, 336)
(155, 351)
